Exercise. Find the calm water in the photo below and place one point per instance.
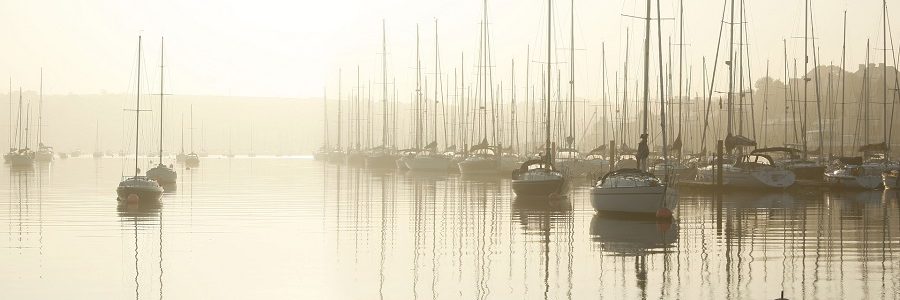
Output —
(291, 228)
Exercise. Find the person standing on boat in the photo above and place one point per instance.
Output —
(643, 152)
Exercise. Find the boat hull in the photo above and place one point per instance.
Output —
(143, 194)
(428, 164)
(537, 188)
(479, 166)
(162, 175)
(356, 159)
(812, 173)
(740, 178)
(644, 200)
(863, 182)
(381, 162)
(43, 156)
(21, 160)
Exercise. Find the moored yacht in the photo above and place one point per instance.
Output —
(632, 191)
(750, 171)
(852, 173)
(428, 161)
(137, 187)
(537, 178)
(162, 174)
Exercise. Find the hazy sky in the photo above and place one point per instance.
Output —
(294, 48)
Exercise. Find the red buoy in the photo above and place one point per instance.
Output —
(664, 213)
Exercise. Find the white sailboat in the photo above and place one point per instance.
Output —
(192, 160)
(636, 191)
(538, 177)
(44, 153)
(138, 188)
(383, 157)
(21, 156)
(162, 174)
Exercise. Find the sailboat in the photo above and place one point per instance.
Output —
(429, 158)
(192, 159)
(636, 191)
(161, 173)
(44, 153)
(483, 159)
(569, 159)
(754, 170)
(538, 177)
(382, 157)
(138, 188)
(21, 156)
(97, 152)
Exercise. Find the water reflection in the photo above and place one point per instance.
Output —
(141, 219)
(305, 229)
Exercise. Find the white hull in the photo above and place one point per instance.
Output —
(633, 200)
(867, 182)
(428, 164)
(737, 177)
(479, 166)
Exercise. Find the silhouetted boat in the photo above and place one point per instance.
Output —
(162, 174)
(137, 187)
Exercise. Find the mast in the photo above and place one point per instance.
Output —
(604, 104)
(191, 124)
(625, 87)
(41, 111)
(437, 84)
(529, 107)
(843, 81)
(548, 148)
(418, 93)
(680, 69)
(338, 116)
(137, 113)
(884, 49)
(161, 64)
(805, 76)
(662, 90)
(730, 75)
(571, 138)
(384, 97)
(647, 72)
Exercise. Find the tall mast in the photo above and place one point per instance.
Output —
(680, 66)
(603, 104)
(548, 148)
(161, 64)
(137, 112)
(647, 70)
(529, 113)
(662, 90)
(571, 138)
(327, 145)
(805, 77)
(731, 73)
(191, 124)
(625, 85)
(884, 49)
(437, 84)
(338, 113)
(843, 81)
(384, 97)
(41, 110)
(418, 93)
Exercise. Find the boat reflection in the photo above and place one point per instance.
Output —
(633, 237)
(141, 219)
